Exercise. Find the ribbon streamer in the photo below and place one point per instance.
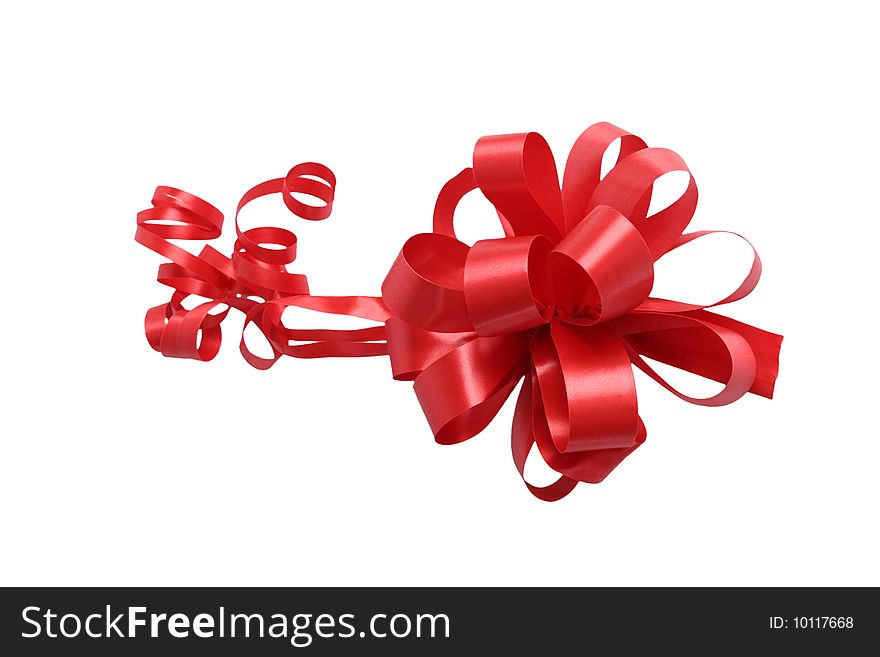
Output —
(562, 302)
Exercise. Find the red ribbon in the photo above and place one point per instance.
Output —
(562, 300)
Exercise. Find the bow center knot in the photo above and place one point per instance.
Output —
(600, 270)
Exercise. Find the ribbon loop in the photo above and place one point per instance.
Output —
(313, 179)
(506, 285)
(743, 290)
(590, 466)
(627, 188)
(447, 200)
(587, 386)
(522, 439)
(179, 333)
(425, 285)
(601, 269)
(518, 175)
(584, 166)
(491, 366)
(714, 351)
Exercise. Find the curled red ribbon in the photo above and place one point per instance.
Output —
(563, 300)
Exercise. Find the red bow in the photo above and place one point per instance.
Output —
(562, 300)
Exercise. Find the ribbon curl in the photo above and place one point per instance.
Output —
(562, 301)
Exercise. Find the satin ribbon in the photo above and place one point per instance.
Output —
(562, 301)
(254, 279)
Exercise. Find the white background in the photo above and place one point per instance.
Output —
(122, 467)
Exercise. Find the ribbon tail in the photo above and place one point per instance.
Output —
(317, 343)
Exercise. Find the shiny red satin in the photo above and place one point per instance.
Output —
(562, 301)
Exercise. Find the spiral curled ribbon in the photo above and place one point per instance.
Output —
(562, 301)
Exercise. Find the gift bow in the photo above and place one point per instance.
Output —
(562, 301)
